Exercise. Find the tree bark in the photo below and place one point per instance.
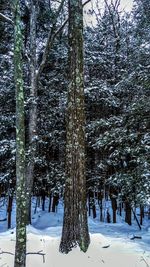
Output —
(114, 208)
(32, 109)
(128, 217)
(20, 250)
(75, 226)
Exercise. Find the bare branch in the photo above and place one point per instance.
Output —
(50, 40)
(117, 4)
(51, 37)
(142, 259)
(37, 253)
(3, 17)
(86, 2)
(6, 252)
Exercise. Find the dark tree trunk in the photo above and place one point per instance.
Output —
(92, 204)
(9, 210)
(20, 250)
(114, 208)
(120, 209)
(43, 197)
(128, 216)
(149, 214)
(36, 205)
(75, 226)
(141, 214)
(101, 210)
(100, 202)
(55, 202)
(108, 217)
(94, 210)
(50, 203)
(89, 202)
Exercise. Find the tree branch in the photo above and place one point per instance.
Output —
(86, 2)
(50, 40)
(51, 37)
(6, 252)
(37, 253)
(3, 17)
(142, 259)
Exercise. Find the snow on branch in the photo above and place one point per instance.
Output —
(3, 17)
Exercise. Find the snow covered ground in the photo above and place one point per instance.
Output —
(111, 244)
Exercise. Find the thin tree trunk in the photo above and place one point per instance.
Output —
(114, 208)
(20, 250)
(101, 210)
(43, 197)
(92, 204)
(120, 208)
(32, 109)
(35, 75)
(9, 210)
(100, 202)
(141, 214)
(89, 202)
(50, 202)
(55, 202)
(128, 216)
(75, 226)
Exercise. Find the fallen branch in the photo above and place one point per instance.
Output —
(37, 253)
(107, 246)
(6, 252)
(142, 259)
(2, 220)
(135, 237)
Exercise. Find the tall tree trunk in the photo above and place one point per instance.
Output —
(32, 109)
(75, 226)
(20, 251)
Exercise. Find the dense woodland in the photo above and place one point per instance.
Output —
(109, 158)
